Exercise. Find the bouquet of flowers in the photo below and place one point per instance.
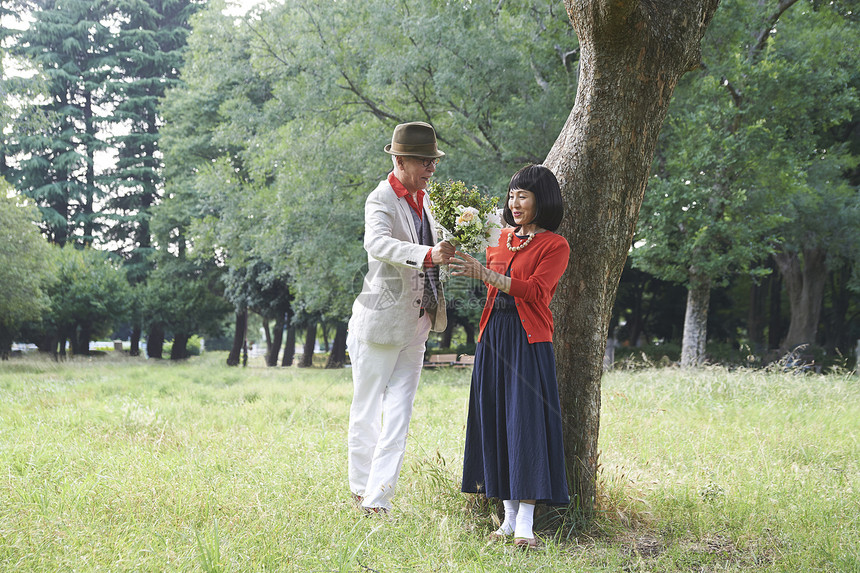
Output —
(468, 219)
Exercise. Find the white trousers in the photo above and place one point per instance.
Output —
(385, 380)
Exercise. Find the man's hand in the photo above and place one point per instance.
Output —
(442, 253)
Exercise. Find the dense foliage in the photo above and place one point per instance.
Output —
(26, 269)
(756, 162)
(226, 159)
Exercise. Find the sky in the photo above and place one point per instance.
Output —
(242, 6)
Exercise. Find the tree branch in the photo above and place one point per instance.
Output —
(765, 32)
(267, 45)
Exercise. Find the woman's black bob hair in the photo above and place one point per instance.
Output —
(542, 182)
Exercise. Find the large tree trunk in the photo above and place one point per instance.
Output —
(696, 322)
(134, 343)
(235, 355)
(324, 331)
(179, 348)
(632, 54)
(277, 339)
(75, 342)
(5, 344)
(84, 336)
(337, 357)
(805, 278)
(267, 334)
(448, 334)
(289, 347)
(155, 341)
(310, 341)
(470, 334)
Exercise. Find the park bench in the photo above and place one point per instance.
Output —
(438, 360)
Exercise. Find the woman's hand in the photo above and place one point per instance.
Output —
(465, 265)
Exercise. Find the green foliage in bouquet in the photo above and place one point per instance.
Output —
(469, 217)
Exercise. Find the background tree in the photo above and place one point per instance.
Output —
(18, 94)
(55, 166)
(148, 49)
(26, 269)
(335, 116)
(813, 55)
(266, 294)
(632, 55)
(183, 298)
(304, 140)
(88, 299)
(721, 202)
(210, 123)
(646, 310)
(711, 209)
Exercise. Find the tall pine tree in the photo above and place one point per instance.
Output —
(149, 45)
(55, 164)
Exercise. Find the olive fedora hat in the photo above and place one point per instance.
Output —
(415, 138)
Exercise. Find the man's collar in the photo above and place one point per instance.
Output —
(399, 189)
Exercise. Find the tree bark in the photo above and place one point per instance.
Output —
(267, 334)
(235, 355)
(74, 342)
(805, 276)
(84, 335)
(134, 344)
(470, 334)
(289, 347)
(448, 334)
(324, 332)
(179, 348)
(337, 357)
(308, 351)
(632, 55)
(696, 322)
(277, 339)
(155, 341)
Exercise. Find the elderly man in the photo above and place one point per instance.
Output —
(401, 301)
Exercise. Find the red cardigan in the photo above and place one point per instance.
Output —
(535, 272)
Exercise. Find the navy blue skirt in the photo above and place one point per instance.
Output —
(514, 446)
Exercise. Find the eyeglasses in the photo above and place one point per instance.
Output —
(427, 163)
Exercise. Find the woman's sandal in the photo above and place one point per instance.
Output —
(525, 543)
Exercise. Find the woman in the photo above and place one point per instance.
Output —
(514, 448)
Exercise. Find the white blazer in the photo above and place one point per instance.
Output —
(388, 307)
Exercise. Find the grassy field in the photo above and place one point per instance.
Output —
(128, 465)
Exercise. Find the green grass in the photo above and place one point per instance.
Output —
(130, 465)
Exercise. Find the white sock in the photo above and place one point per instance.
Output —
(525, 520)
(511, 507)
